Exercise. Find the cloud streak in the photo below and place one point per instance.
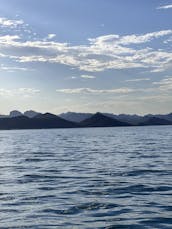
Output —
(12, 69)
(165, 7)
(88, 77)
(130, 39)
(165, 84)
(96, 91)
(138, 80)
(25, 92)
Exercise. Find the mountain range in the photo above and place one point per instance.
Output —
(35, 120)
(131, 119)
(101, 120)
(39, 121)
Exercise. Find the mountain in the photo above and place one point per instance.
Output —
(3, 116)
(18, 122)
(75, 117)
(155, 121)
(42, 121)
(46, 116)
(15, 113)
(132, 119)
(161, 116)
(35, 120)
(49, 120)
(79, 117)
(168, 117)
(31, 113)
(100, 120)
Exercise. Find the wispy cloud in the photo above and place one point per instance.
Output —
(137, 80)
(165, 84)
(96, 91)
(164, 7)
(130, 39)
(12, 69)
(25, 92)
(88, 76)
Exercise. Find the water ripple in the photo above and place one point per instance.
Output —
(86, 178)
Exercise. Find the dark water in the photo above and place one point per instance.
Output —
(86, 178)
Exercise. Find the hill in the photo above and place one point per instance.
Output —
(155, 121)
(100, 120)
(132, 119)
(43, 121)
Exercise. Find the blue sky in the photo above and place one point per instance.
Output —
(87, 56)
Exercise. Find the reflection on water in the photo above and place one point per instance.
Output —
(86, 178)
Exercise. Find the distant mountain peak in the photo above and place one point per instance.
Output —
(101, 120)
(99, 114)
(15, 113)
(31, 113)
(34, 120)
(46, 115)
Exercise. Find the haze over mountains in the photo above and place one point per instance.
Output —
(35, 120)
(131, 119)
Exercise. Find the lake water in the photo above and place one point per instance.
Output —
(86, 178)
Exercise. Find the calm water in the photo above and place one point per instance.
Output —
(86, 178)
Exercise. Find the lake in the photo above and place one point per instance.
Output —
(86, 178)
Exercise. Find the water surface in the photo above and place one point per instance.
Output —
(86, 178)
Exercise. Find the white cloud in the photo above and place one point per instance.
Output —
(138, 80)
(165, 84)
(102, 53)
(165, 7)
(51, 36)
(25, 92)
(28, 90)
(96, 91)
(12, 69)
(9, 40)
(128, 39)
(4, 22)
(88, 77)
(169, 40)
(137, 39)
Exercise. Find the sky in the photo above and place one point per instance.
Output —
(86, 56)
